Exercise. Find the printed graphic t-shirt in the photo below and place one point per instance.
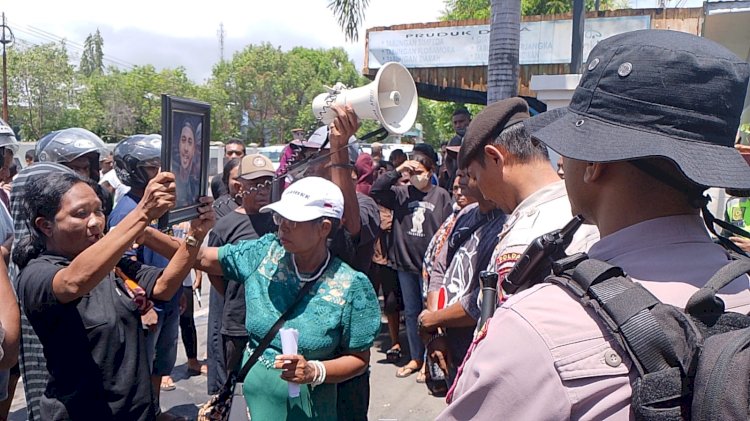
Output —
(416, 217)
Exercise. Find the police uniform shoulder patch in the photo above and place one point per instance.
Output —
(504, 263)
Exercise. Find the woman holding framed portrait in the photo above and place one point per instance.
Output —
(85, 300)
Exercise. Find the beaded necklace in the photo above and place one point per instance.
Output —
(317, 274)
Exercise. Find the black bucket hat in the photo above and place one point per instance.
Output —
(656, 93)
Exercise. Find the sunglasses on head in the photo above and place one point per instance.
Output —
(262, 186)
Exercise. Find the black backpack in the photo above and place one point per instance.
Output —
(692, 364)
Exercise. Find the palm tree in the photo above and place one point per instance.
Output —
(505, 34)
(505, 28)
(349, 14)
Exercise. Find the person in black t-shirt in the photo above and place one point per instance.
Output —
(418, 211)
(244, 223)
(229, 200)
(223, 206)
(84, 300)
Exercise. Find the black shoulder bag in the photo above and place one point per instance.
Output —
(229, 404)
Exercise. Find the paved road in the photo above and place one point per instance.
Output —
(391, 398)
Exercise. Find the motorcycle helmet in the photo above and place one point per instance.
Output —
(133, 154)
(64, 146)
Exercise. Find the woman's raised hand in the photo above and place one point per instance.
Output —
(409, 166)
(159, 196)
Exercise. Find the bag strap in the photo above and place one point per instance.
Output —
(625, 308)
(269, 336)
(704, 304)
(710, 220)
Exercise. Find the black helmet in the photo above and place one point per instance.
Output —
(63, 146)
(132, 154)
(7, 137)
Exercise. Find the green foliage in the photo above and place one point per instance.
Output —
(273, 90)
(122, 103)
(92, 58)
(46, 94)
(545, 7)
(436, 119)
(258, 95)
(41, 85)
(480, 9)
(466, 9)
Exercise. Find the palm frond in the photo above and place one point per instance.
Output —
(349, 14)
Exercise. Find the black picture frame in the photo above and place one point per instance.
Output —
(178, 114)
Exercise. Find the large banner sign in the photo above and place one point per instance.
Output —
(546, 42)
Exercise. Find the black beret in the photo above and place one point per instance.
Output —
(488, 124)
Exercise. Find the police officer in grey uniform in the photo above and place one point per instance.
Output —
(650, 127)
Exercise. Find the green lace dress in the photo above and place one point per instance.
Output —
(341, 314)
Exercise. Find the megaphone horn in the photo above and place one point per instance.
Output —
(391, 99)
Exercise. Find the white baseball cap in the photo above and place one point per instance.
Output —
(308, 199)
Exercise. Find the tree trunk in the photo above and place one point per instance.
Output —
(505, 34)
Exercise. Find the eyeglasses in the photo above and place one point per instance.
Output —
(278, 220)
(262, 186)
(238, 153)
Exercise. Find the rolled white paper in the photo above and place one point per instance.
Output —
(289, 347)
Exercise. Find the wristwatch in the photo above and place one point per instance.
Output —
(191, 241)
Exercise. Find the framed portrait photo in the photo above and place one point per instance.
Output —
(186, 131)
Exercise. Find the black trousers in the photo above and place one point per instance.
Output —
(187, 325)
(217, 374)
(234, 347)
(354, 398)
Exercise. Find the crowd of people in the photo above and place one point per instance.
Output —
(101, 295)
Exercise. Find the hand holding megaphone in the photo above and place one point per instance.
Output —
(391, 99)
(343, 127)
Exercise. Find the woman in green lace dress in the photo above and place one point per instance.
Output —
(337, 321)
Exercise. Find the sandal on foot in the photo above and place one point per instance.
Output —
(407, 371)
(167, 385)
(393, 354)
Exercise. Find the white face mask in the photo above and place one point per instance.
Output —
(419, 181)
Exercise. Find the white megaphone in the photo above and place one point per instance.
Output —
(391, 99)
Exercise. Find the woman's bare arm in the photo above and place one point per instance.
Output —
(10, 320)
(91, 266)
(207, 259)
